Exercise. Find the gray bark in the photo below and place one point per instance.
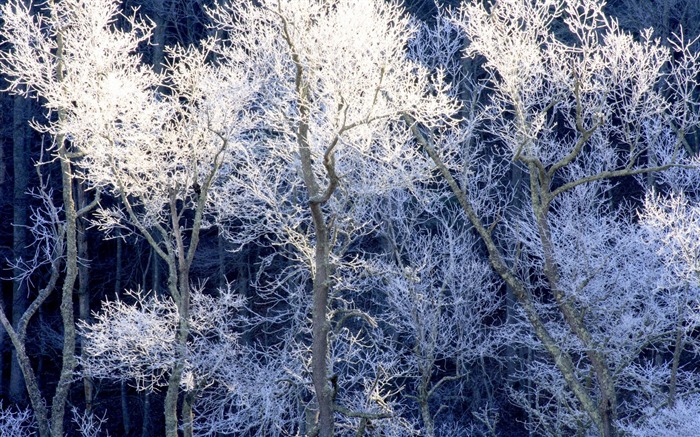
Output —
(68, 361)
(598, 412)
(322, 265)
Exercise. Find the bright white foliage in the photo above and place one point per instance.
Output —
(574, 100)
(359, 81)
(135, 341)
(681, 420)
(565, 96)
(674, 227)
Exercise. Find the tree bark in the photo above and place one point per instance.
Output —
(41, 414)
(320, 327)
(607, 406)
(146, 422)
(321, 270)
(124, 401)
(68, 361)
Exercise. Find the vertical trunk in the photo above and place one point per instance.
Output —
(3, 194)
(319, 341)
(19, 233)
(58, 403)
(321, 261)
(562, 359)
(179, 284)
(146, 423)
(171, 395)
(187, 414)
(41, 414)
(83, 293)
(68, 360)
(126, 419)
(3, 163)
(18, 337)
(607, 406)
(158, 45)
(41, 361)
(424, 402)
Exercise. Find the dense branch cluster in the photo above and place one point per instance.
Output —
(481, 224)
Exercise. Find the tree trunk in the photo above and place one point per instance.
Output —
(158, 45)
(321, 269)
(41, 414)
(607, 406)
(424, 402)
(68, 361)
(319, 341)
(83, 292)
(171, 395)
(21, 168)
(179, 266)
(126, 419)
(146, 423)
(563, 361)
(187, 413)
(58, 403)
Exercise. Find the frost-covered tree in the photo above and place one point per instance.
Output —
(36, 65)
(437, 297)
(132, 340)
(572, 102)
(336, 83)
(154, 141)
(379, 165)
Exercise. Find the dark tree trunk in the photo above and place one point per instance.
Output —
(83, 290)
(21, 166)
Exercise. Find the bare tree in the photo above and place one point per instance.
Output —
(158, 153)
(571, 108)
(37, 62)
(337, 81)
(437, 296)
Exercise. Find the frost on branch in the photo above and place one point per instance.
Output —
(132, 341)
(555, 90)
(136, 341)
(16, 422)
(357, 83)
(681, 419)
(569, 102)
(89, 425)
(439, 298)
